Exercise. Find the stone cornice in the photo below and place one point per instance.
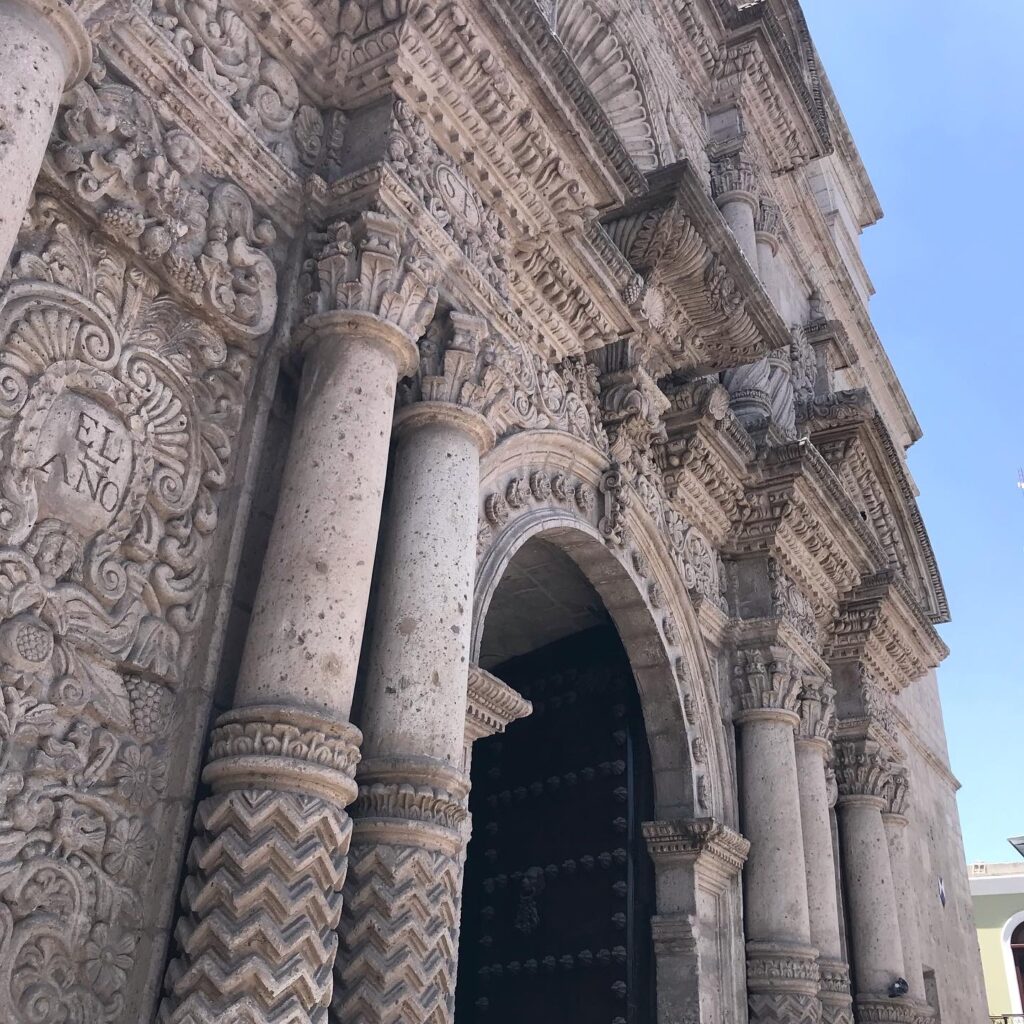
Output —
(524, 24)
(492, 705)
(835, 423)
(880, 624)
(677, 241)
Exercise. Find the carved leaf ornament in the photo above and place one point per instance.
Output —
(116, 417)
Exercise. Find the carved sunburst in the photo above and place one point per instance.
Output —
(611, 75)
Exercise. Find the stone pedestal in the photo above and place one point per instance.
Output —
(782, 969)
(44, 49)
(257, 941)
(399, 928)
(877, 953)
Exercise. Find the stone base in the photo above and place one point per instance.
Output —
(881, 1010)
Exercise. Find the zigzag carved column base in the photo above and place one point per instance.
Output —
(400, 926)
(834, 992)
(782, 984)
(869, 1010)
(257, 941)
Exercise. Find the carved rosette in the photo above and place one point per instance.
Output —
(262, 899)
(399, 933)
(782, 984)
(118, 413)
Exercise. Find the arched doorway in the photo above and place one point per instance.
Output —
(559, 886)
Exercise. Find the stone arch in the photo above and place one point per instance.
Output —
(547, 484)
(618, 78)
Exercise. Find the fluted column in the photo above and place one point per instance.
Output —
(876, 954)
(733, 183)
(262, 899)
(399, 928)
(782, 969)
(812, 751)
(44, 49)
(895, 821)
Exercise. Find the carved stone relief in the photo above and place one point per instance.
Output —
(117, 418)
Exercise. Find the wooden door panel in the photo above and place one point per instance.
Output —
(558, 896)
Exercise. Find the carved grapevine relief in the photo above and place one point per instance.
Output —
(117, 412)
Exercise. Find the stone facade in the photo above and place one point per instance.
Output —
(568, 270)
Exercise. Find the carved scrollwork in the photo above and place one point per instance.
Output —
(227, 53)
(143, 181)
(117, 418)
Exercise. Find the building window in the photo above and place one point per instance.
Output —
(1017, 953)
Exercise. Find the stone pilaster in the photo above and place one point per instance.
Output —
(695, 864)
(864, 778)
(767, 221)
(399, 929)
(262, 901)
(44, 50)
(782, 968)
(813, 748)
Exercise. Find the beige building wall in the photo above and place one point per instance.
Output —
(998, 895)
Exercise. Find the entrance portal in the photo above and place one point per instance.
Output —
(559, 887)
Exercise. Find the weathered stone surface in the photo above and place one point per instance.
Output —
(682, 392)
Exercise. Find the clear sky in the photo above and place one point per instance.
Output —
(932, 92)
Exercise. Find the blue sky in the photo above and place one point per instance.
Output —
(933, 97)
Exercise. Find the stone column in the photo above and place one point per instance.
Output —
(812, 751)
(44, 50)
(876, 953)
(399, 928)
(895, 821)
(782, 969)
(262, 899)
(733, 181)
(766, 234)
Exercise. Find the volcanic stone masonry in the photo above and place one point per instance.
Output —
(351, 350)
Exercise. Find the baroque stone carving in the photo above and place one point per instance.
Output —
(266, 867)
(220, 46)
(117, 420)
(143, 180)
(766, 682)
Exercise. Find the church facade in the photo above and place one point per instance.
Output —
(458, 559)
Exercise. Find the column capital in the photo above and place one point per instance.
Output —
(863, 772)
(767, 221)
(370, 279)
(703, 840)
(62, 19)
(767, 685)
(897, 797)
(734, 178)
(817, 712)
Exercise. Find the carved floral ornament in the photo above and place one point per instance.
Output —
(117, 414)
(144, 182)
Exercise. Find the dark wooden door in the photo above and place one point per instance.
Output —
(559, 887)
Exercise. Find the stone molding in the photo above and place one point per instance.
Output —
(411, 801)
(782, 984)
(492, 705)
(66, 23)
(702, 840)
(291, 749)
